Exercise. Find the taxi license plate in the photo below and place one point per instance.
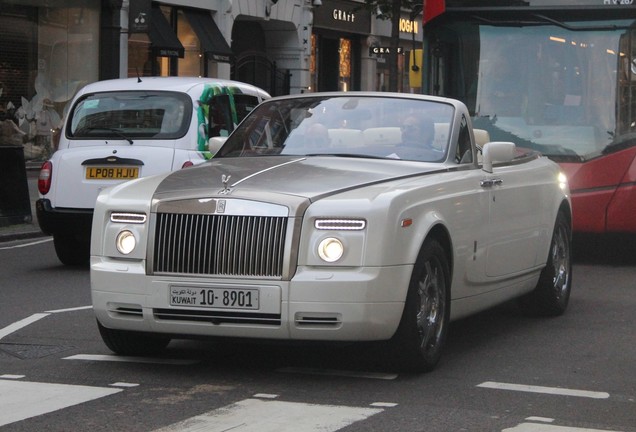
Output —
(221, 298)
(112, 173)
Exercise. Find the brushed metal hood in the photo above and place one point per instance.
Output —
(308, 178)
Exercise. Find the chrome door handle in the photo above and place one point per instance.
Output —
(491, 182)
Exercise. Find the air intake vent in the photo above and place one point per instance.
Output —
(315, 319)
(219, 245)
(216, 317)
(125, 311)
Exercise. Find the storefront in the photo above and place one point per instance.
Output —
(169, 40)
(49, 49)
(409, 53)
(340, 29)
(52, 48)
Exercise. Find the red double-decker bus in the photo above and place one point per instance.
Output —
(557, 76)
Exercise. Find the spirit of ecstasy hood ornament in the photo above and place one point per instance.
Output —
(225, 179)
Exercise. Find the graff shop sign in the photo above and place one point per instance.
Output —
(343, 16)
(384, 50)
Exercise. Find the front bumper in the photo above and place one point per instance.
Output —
(352, 304)
(53, 221)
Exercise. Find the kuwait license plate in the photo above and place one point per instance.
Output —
(223, 298)
(111, 173)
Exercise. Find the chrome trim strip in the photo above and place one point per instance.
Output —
(265, 170)
(340, 224)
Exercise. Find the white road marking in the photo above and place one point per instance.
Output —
(544, 390)
(130, 359)
(21, 324)
(11, 376)
(18, 325)
(26, 244)
(334, 372)
(79, 308)
(384, 404)
(21, 400)
(540, 419)
(254, 415)
(539, 427)
(123, 384)
(265, 396)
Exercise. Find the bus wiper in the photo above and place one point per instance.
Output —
(116, 131)
(620, 143)
(544, 19)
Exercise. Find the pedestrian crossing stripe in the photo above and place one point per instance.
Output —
(21, 400)
(254, 415)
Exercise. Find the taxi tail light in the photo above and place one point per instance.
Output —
(187, 164)
(44, 179)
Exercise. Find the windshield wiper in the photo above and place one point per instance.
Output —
(116, 131)
(542, 19)
(557, 23)
(351, 155)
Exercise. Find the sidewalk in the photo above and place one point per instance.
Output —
(26, 230)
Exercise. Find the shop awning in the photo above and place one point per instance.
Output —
(212, 41)
(163, 40)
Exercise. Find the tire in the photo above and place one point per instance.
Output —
(552, 293)
(71, 251)
(125, 342)
(421, 334)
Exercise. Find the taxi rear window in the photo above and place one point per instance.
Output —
(131, 114)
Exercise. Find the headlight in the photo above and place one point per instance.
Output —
(563, 181)
(330, 249)
(126, 242)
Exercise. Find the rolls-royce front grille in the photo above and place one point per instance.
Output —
(219, 245)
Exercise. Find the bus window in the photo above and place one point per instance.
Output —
(543, 86)
(627, 84)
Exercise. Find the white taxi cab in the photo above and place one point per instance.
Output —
(118, 130)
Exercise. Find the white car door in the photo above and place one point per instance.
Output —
(518, 218)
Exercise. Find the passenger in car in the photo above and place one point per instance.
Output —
(317, 135)
(417, 132)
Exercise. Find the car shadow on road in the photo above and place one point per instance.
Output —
(608, 249)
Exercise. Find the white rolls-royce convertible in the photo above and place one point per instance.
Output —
(334, 217)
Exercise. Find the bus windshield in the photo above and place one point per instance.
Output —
(570, 94)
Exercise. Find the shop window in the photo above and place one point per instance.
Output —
(345, 64)
(48, 54)
(192, 62)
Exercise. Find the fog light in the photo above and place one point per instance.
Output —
(330, 249)
(126, 242)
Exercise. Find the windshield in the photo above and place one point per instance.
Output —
(131, 115)
(351, 125)
(569, 94)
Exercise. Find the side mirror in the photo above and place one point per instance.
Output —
(215, 143)
(497, 151)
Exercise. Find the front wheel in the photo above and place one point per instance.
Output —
(131, 343)
(421, 334)
(552, 294)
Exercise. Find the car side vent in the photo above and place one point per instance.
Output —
(126, 311)
(315, 319)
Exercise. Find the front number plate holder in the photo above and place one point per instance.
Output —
(217, 298)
